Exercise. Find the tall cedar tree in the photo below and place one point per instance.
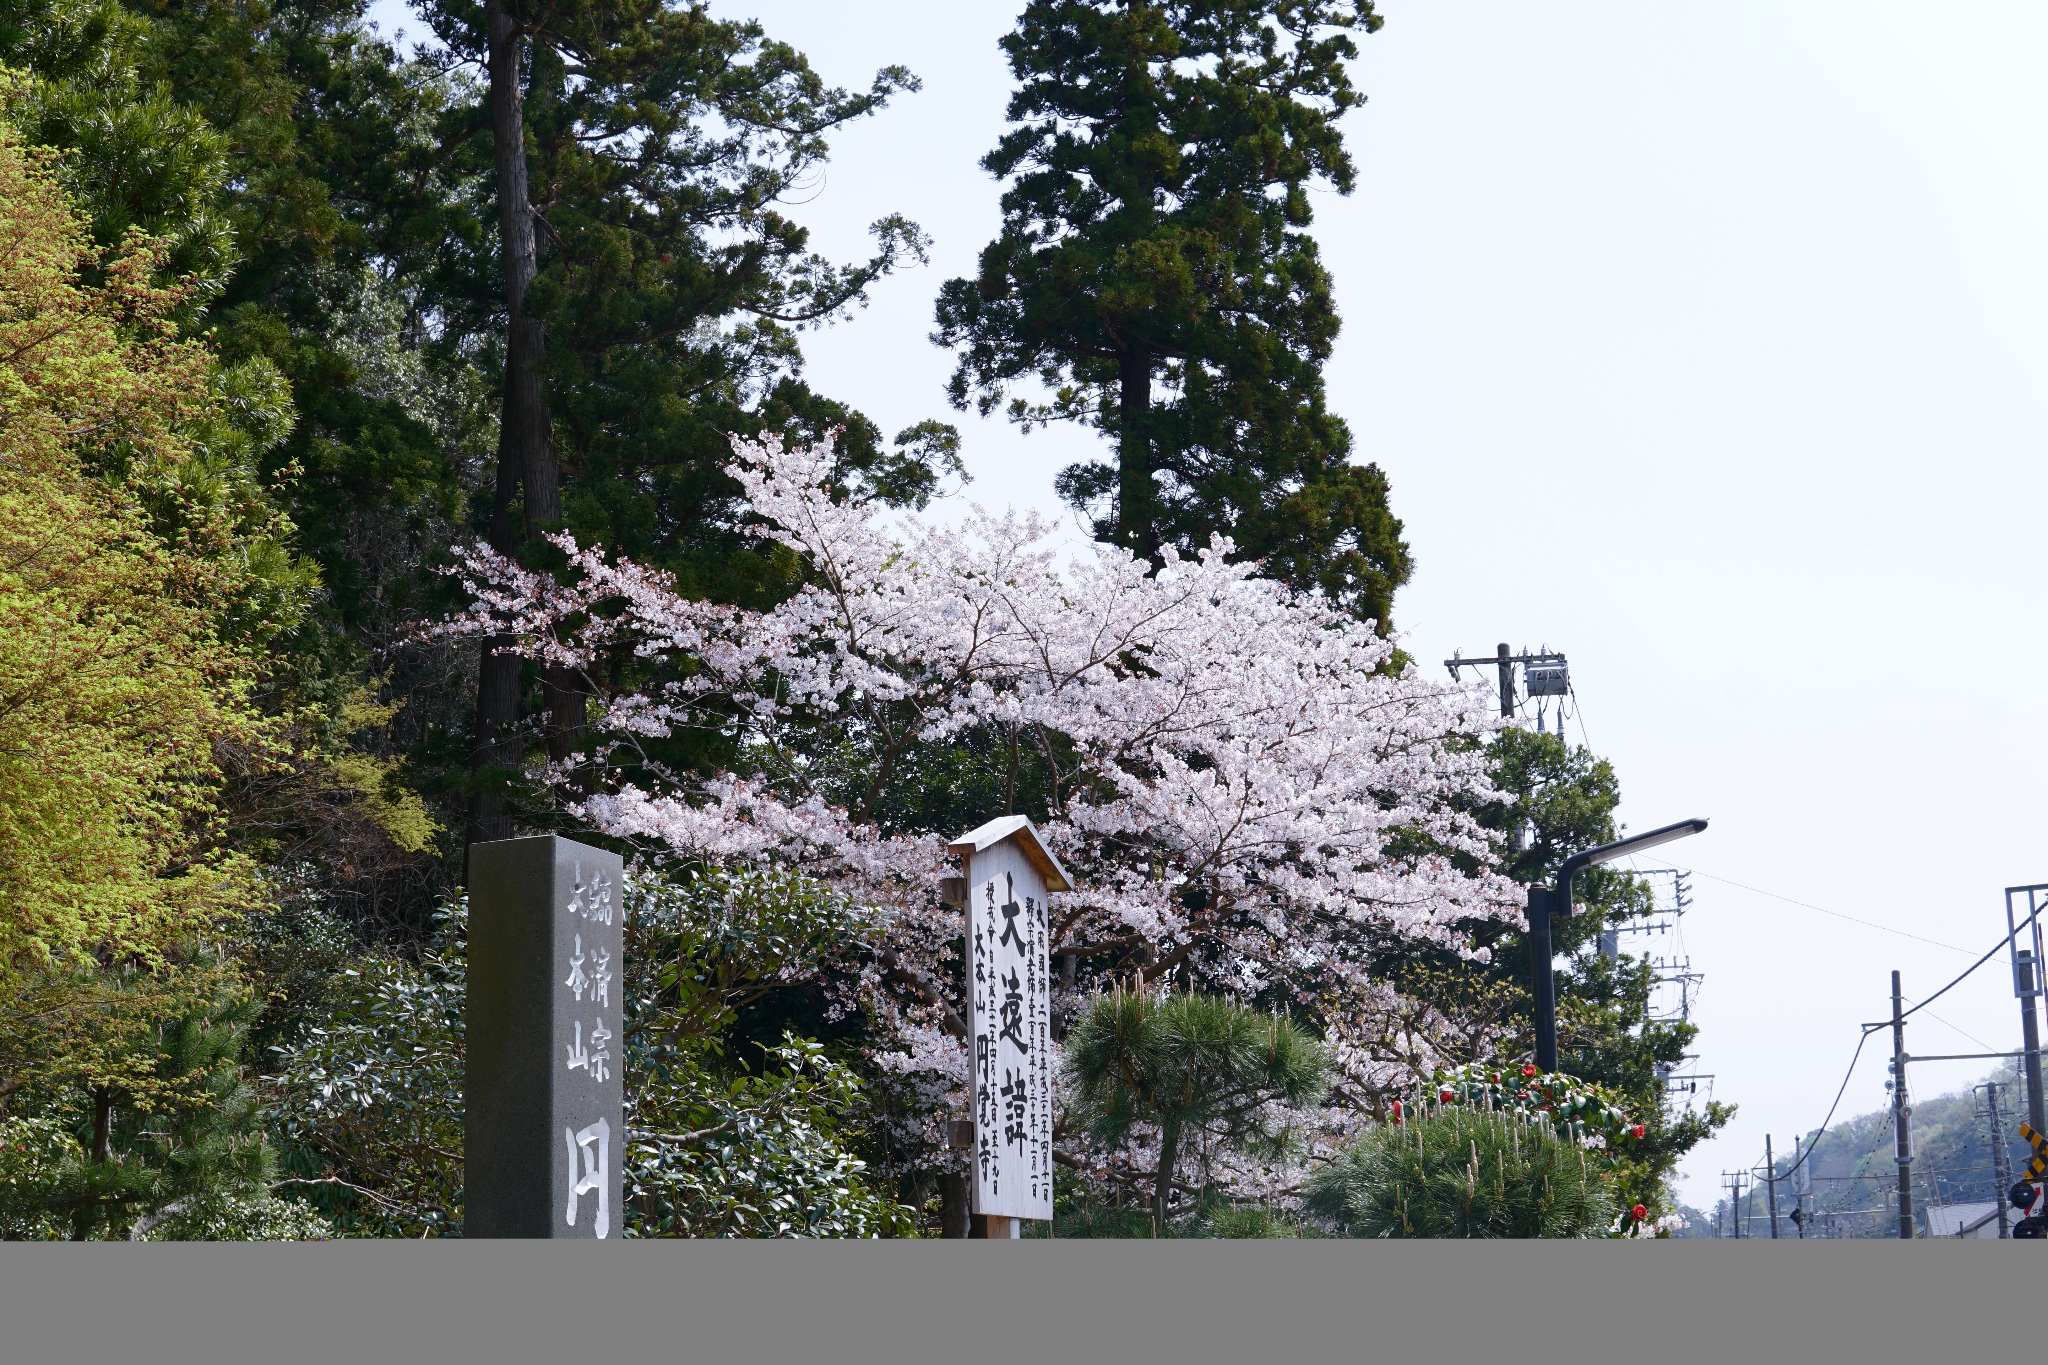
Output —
(648, 290)
(1155, 275)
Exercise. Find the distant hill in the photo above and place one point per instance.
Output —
(1855, 1170)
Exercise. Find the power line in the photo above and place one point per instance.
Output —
(1973, 966)
(1869, 1029)
(1868, 924)
(1807, 1155)
(1965, 1032)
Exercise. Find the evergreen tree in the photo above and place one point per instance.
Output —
(1155, 274)
(1463, 1173)
(1565, 796)
(128, 1079)
(1193, 1066)
(648, 288)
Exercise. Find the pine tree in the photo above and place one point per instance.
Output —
(1191, 1065)
(1463, 1173)
(1155, 274)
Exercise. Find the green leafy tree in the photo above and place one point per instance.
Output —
(1463, 1172)
(1155, 276)
(282, 157)
(1190, 1066)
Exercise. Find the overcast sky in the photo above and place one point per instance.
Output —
(1705, 344)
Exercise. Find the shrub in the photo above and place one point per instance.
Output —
(1458, 1172)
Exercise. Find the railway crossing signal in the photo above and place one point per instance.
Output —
(2026, 1194)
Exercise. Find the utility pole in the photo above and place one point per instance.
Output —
(1799, 1213)
(1735, 1182)
(1902, 1112)
(1771, 1174)
(2027, 985)
(1551, 676)
(2001, 1159)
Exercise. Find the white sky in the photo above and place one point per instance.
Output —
(1704, 343)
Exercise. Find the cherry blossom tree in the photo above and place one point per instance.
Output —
(1254, 798)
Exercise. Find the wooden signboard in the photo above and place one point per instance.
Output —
(1008, 871)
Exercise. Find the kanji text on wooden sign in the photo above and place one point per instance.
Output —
(1009, 990)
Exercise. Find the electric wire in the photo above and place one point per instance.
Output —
(1868, 924)
(1579, 712)
(1965, 1032)
(1869, 1029)
(1857, 1056)
(2010, 936)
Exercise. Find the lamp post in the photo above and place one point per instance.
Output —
(1547, 903)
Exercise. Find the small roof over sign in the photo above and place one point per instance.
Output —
(1020, 827)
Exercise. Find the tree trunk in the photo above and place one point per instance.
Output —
(497, 748)
(1169, 1157)
(1137, 494)
(102, 1126)
(953, 1201)
(526, 454)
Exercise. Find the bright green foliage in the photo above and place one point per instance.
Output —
(1461, 1172)
(1155, 233)
(1193, 1066)
(118, 677)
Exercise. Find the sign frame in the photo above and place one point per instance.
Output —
(1008, 872)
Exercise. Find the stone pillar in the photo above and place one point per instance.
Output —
(544, 1100)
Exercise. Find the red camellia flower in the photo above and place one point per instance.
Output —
(1636, 1131)
(1528, 1070)
(1639, 1213)
(1447, 1096)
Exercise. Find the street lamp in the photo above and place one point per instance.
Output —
(1547, 902)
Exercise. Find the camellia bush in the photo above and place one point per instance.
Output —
(1580, 1111)
(1460, 1172)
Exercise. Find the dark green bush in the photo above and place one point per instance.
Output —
(1463, 1173)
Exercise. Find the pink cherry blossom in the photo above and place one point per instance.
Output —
(1252, 797)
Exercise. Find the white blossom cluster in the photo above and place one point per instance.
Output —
(1250, 796)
